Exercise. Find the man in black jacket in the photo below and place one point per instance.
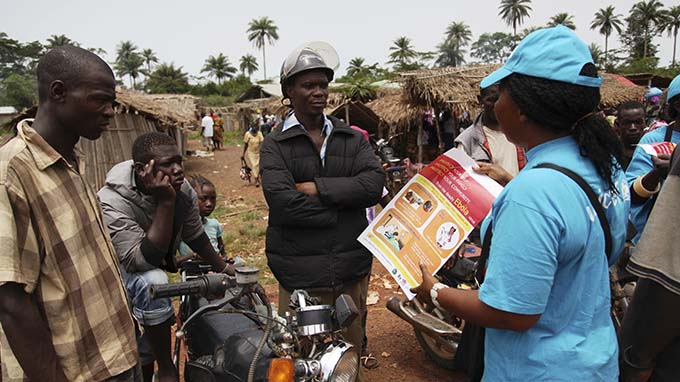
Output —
(318, 176)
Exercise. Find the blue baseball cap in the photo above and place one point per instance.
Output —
(551, 53)
(673, 88)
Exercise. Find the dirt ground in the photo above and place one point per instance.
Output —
(243, 214)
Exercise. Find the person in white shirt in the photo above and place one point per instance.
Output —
(207, 124)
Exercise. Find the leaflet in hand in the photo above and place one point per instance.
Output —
(658, 148)
(430, 217)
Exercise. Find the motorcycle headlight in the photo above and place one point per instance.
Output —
(340, 363)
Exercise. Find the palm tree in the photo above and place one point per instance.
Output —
(450, 54)
(97, 51)
(219, 67)
(513, 12)
(650, 14)
(59, 40)
(259, 31)
(607, 22)
(356, 66)
(248, 64)
(402, 52)
(167, 79)
(460, 32)
(562, 19)
(128, 61)
(149, 56)
(671, 23)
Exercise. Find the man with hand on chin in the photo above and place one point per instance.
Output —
(149, 208)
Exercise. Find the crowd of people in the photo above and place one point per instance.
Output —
(76, 266)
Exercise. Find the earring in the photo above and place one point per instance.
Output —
(286, 102)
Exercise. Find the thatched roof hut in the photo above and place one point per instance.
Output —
(177, 110)
(394, 111)
(617, 89)
(445, 88)
(457, 88)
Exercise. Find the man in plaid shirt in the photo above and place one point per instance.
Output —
(63, 308)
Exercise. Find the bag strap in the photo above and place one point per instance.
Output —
(484, 257)
(602, 216)
(669, 133)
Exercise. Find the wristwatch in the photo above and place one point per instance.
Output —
(434, 293)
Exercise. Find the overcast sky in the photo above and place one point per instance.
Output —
(187, 32)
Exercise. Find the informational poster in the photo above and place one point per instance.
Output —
(659, 148)
(430, 217)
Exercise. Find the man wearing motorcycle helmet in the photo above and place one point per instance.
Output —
(318, 176)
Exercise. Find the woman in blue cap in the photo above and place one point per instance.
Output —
(545, 300)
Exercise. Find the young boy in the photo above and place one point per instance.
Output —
(207, 199)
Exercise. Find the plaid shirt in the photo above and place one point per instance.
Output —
(54, 242)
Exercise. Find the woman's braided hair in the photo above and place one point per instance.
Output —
(561, 107)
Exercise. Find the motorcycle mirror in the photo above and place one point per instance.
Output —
(346, 310)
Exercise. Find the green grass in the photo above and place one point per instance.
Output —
(250, 216)
(233, 138)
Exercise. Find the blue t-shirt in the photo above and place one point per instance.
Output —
(213, 229)
(641, 164)
(548, 257)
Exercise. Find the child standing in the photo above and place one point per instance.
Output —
(207, 200)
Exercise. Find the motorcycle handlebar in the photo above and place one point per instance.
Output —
(213, 284)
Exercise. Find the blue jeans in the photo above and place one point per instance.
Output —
(147, 311)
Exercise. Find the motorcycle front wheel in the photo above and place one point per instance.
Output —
(440, 354)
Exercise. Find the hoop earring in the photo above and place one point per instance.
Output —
(286, 102)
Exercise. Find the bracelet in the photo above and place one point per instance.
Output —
(434, 293)
(225, 268)
(640, 189)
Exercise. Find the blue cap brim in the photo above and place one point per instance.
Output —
(495, 77)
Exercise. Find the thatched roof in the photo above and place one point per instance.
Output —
(392, 108)
(169, 109)
(445, 87)
(458, 88)
(617, 89)
(177, 110)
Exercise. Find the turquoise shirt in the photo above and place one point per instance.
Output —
(213, 229)
(547, 257)
(641, 164)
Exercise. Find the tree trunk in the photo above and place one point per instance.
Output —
(606, 56)
(644, 44)
(264, 61)
(675, 42)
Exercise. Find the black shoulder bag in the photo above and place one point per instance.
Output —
(470, 354)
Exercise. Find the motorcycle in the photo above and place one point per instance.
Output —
(232, 333)
(438, 331)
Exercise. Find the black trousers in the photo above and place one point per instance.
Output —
(651, 328)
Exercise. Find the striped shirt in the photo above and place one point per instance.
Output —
(53, 241)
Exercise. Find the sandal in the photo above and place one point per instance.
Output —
(369, 361)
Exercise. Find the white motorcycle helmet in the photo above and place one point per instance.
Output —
(309, 56)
